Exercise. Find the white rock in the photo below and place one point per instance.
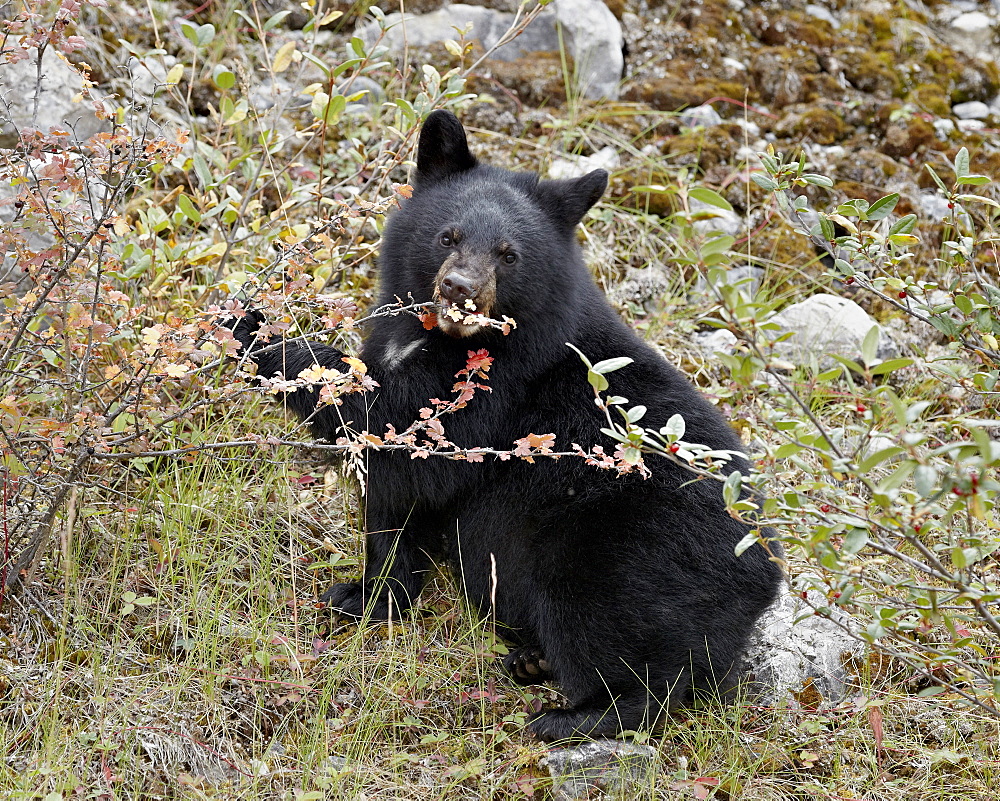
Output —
(717, 341)
(935, 208)
(974, 23)
(943, 128)
(700, 117)
(972, 110)
(587, 28)
(971, 126)
(745, 276)
(57, 106)
(822, 12)
(786, 656)
(595, 40)
(825, 325)
(721, 221)
(601, 766)
(574, 166)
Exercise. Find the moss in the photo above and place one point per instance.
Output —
(929, 97)
(906, 137)
(623, 185)
(537, 79)
(703, 147)
(673, 93)
(822, 126)
(870, 71)
(791, 28)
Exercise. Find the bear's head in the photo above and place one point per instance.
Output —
(477, 239)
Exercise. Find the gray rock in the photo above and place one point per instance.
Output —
(575, 166)
(641, 285)
(943, 128)
(745, 276)
(972, 32)
(809, 656)
(718, 341)
(609, 766)
(56, 106)
(971, 126)
(721, 221)
(588, 29)
(823, 13)
(973, 110)
(823, 325)
(935, 208)
(700, 117)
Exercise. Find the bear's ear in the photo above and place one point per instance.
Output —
(567, 201)
(443, 149)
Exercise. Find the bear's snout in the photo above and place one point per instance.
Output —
(457, 287)
(465, 285)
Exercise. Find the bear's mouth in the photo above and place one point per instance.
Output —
(456, 321)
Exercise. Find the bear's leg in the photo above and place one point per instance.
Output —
(527, 665)
(395, 570)
(599, 718)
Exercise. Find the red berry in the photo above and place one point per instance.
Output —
(849, 280)
(951, 205)
(861, 408)
(902, 293)
(825, 507)
(836, 595)
(674, 447)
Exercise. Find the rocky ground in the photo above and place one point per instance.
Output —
(660, 94)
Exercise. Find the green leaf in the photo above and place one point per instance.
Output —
(936, 178)
(579, 353)
(869, 347)
(883, 207)
(964, 304)
(328, 109)
(597, 381)
(889, 365)
(610, 365)
(826, 228)
(764, 182)
(222, 77)
(855, 540)
(973, 180)
(731, 489)
(745, 543)
(962, 163)
(903, 225)
(710, 197)
(817, 180)
(187, 207)
(925, 479)
(675, 427)
(635, 414)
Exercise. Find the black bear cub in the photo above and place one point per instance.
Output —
(624, 590)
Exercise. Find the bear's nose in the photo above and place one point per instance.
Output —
(457, 288)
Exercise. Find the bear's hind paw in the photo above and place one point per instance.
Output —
(527, 665)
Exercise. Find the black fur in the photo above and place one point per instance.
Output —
(626, 591)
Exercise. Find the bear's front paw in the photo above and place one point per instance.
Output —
(527, 665)
(346, 599)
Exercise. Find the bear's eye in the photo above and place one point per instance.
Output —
(510, 258)
(446, 240)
